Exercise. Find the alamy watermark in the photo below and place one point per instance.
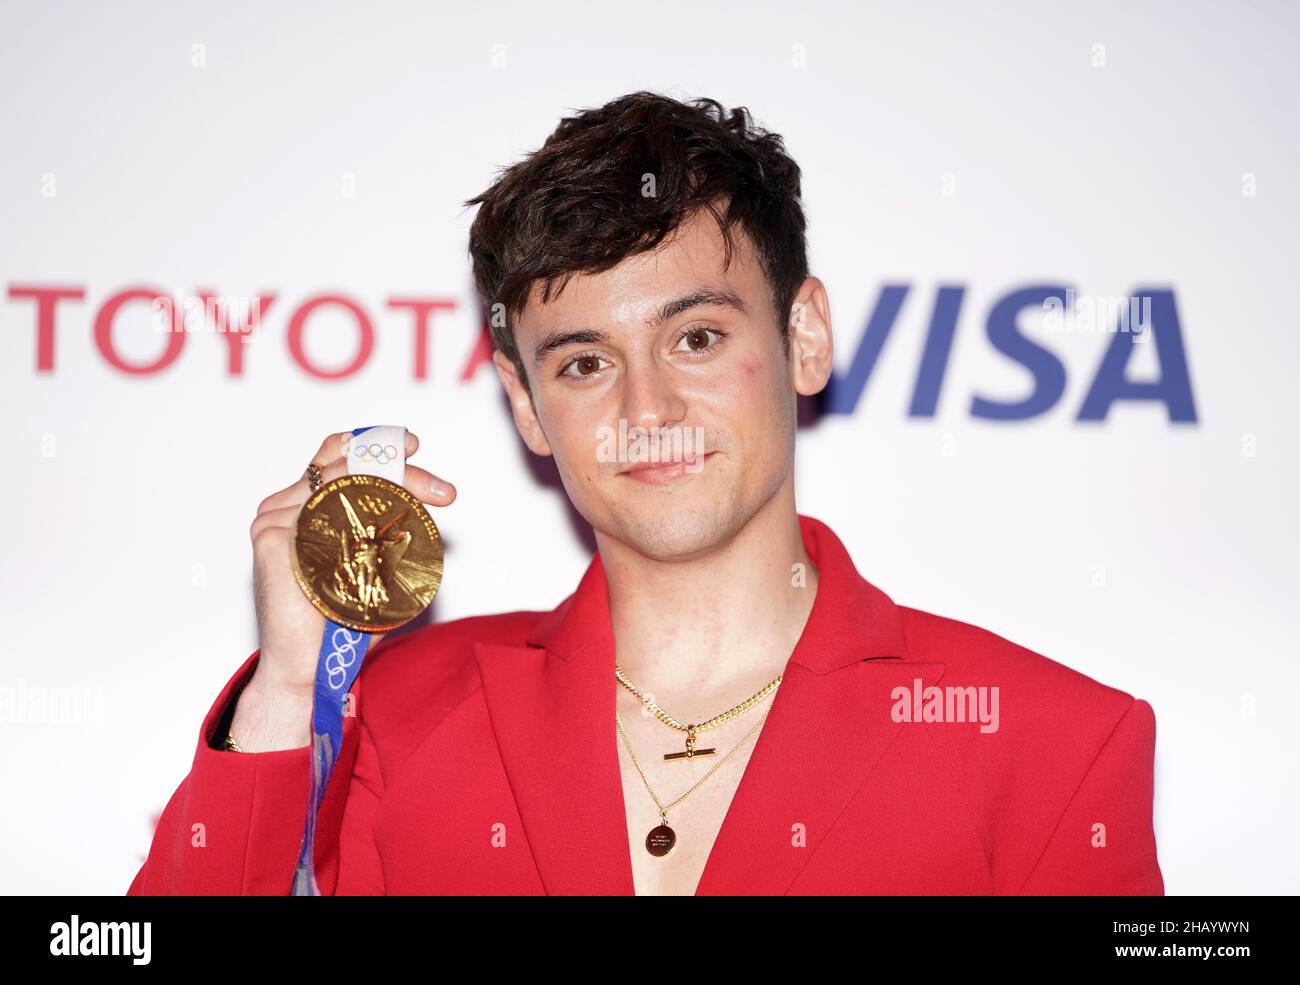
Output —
(42, 705)
(637, 444)
(233, 314)
(952, 703)
(1085, 314)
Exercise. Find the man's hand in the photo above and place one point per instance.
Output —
(274, 710)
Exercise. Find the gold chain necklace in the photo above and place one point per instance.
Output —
(692, 731)
(661, 839)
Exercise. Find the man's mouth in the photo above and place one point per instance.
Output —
(658, 473)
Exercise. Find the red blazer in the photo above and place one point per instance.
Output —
(505, 724)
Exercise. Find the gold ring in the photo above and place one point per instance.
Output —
(313, 476)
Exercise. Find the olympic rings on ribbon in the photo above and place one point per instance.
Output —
(343, 656)
(375, 452)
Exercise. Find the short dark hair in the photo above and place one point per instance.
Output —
(576, 205)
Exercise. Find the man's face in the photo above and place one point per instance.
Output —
(671, 343)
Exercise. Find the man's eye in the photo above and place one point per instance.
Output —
(587, 364)
(697, 339)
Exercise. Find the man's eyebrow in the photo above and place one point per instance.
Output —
(589, 336)
(558, 340)
(706, 295)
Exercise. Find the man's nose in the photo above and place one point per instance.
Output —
(650, 397)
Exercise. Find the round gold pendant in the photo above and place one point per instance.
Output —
(659, 842)
(366, 553)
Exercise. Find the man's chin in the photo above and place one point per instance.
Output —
(671, 531)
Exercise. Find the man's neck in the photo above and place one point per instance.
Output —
(717, 624)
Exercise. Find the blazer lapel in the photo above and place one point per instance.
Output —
(830, 724)
(552, 707)
(822, 738)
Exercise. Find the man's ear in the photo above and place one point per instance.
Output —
(521, 405)
(811, 349)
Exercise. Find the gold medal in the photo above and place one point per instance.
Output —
(366, 553)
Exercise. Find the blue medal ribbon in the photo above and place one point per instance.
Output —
(342, 651)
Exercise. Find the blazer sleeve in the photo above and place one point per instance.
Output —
(1104, 842)
(234, 826)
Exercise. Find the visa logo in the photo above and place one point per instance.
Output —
(1157, 326)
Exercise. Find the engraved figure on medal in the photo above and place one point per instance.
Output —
(367, 554)
(365, 559)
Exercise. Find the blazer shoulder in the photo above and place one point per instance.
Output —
(973, 655)
(411, 681)
(436, 654)
(1059, 738)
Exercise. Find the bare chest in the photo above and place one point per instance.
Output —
(695, 820)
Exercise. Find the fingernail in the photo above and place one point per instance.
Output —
(440, 487)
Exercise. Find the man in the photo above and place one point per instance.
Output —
(723, 705)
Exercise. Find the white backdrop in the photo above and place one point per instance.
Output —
(315, 149)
